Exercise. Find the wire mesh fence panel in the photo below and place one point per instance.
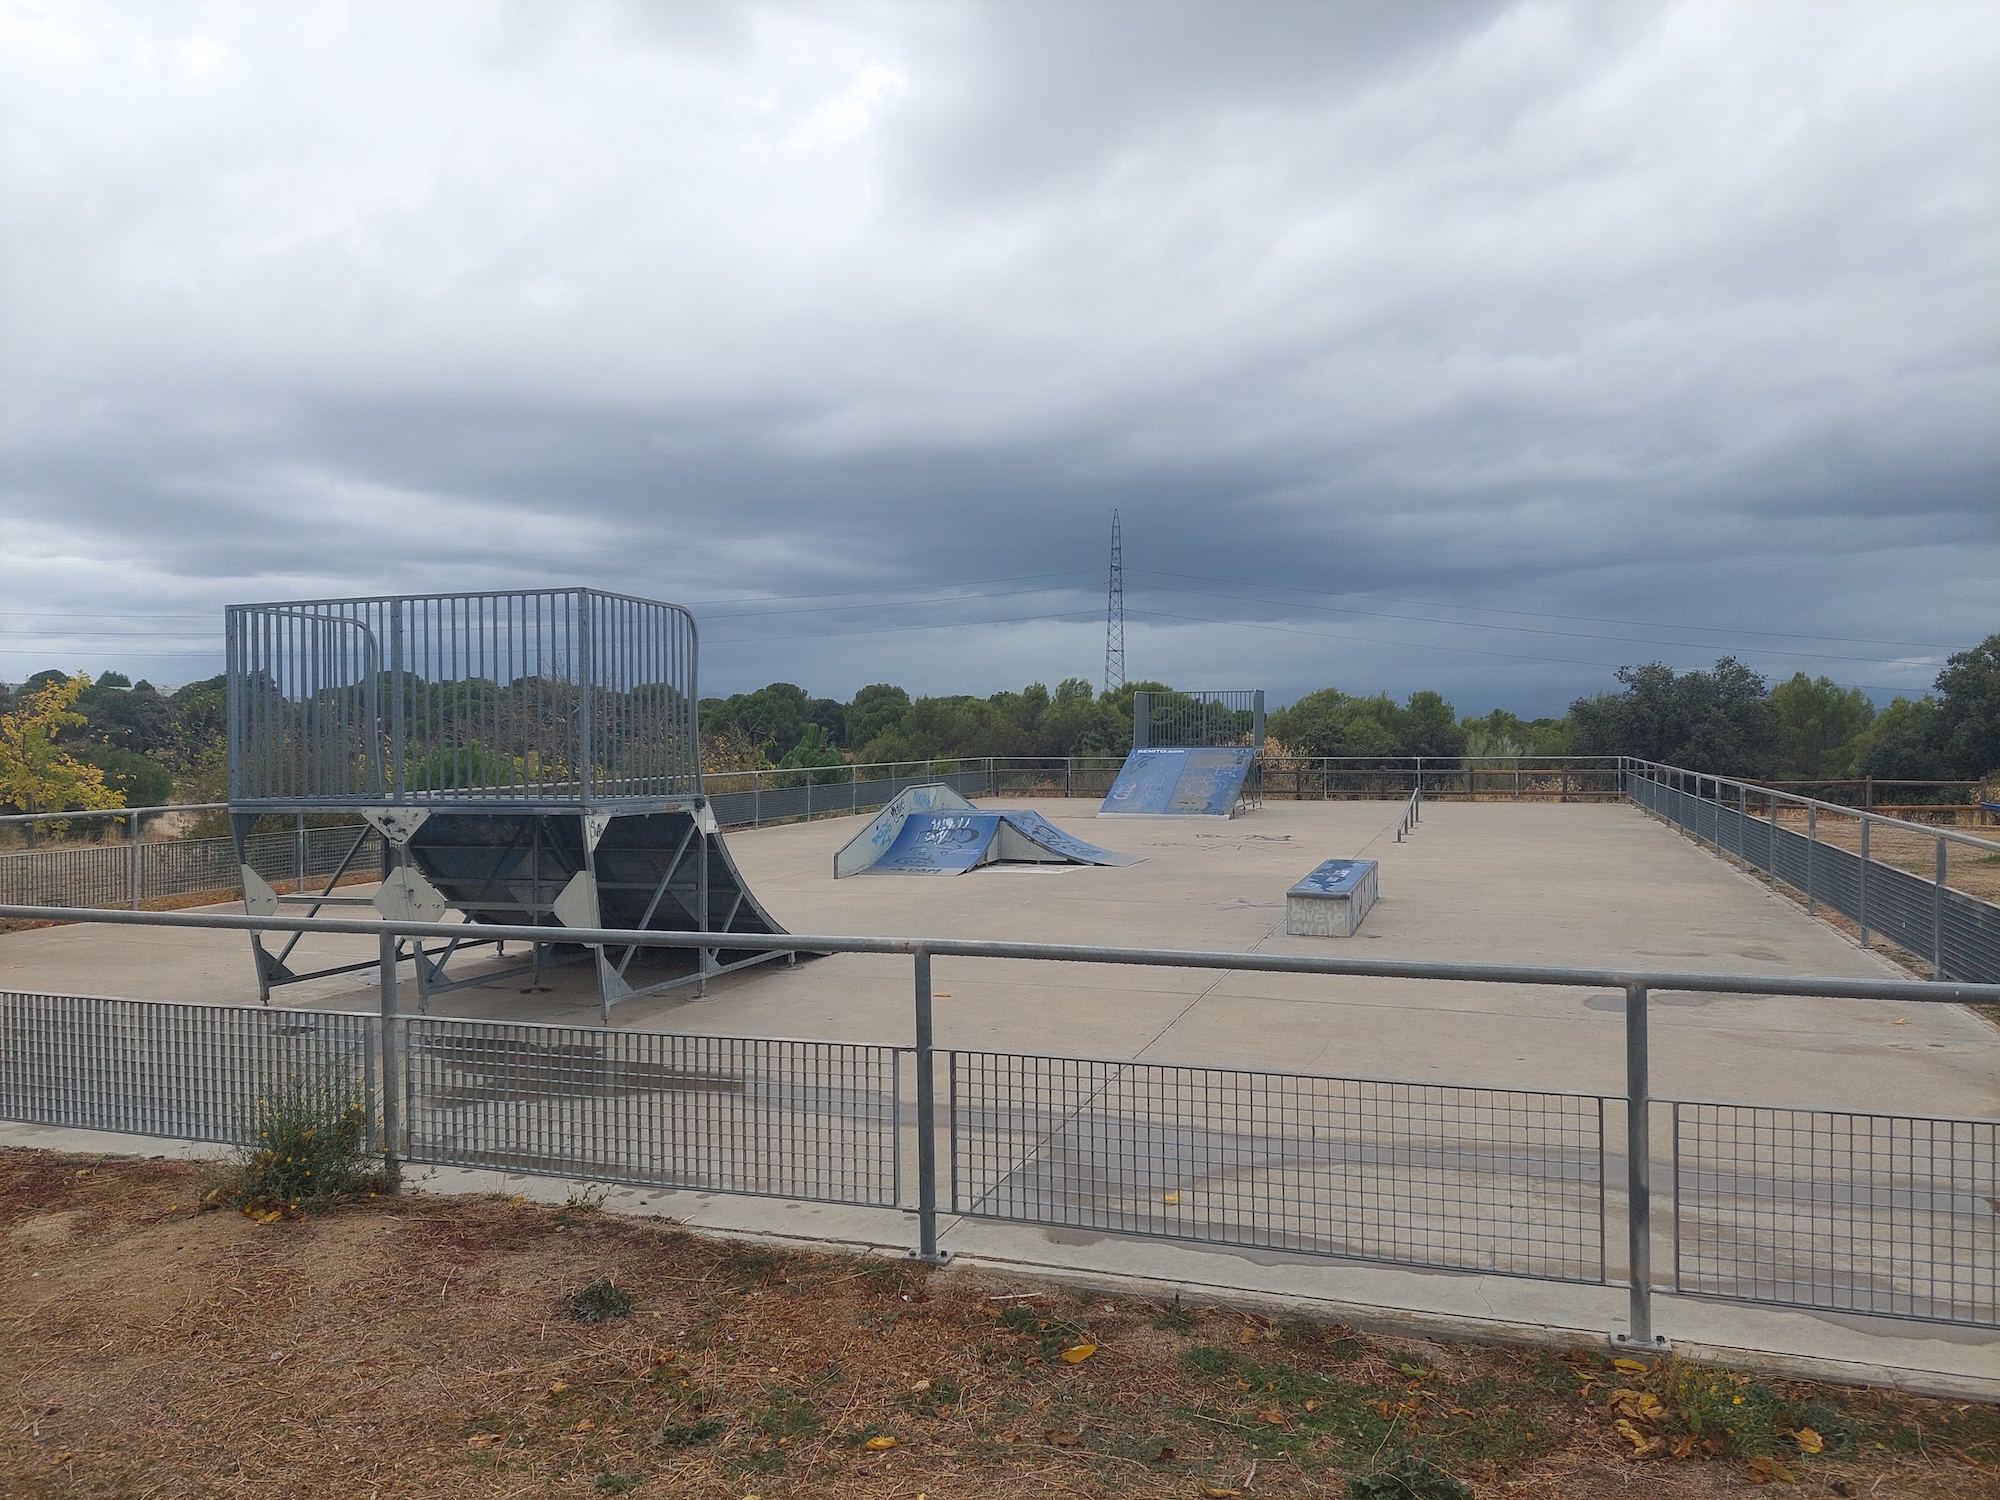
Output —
(539, 695)
(793, 1119)
(1474, 1179)
(191, 1072)
(1887, 1214)
(88, 875)
(1198, 719)
(104, 874)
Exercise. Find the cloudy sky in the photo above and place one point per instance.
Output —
(1476, 346)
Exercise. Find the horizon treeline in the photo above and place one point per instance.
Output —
(154, 747)
(1727, 719)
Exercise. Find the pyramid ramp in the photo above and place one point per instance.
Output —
(958, 839)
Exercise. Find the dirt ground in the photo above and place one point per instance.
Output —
(421, 1346)
(1967, 867)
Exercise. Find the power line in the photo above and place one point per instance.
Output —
(1341, 635)
(1575, 635)
(1845, 640)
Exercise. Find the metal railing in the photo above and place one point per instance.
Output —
(1198, 719)
(1413, 814)
(1503, 1181)
(1454, 1176)
(758, 1115)
(570, 696)
(132, 874)
(144, 1067)
(1862, 1213)
(1832, 857)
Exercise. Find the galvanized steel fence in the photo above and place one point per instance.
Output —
(792, 1119)
(1822, 1209)
(131, 874)
(1504, 1181)
(1957, 932)
(189, 1072)
(1863, 1213)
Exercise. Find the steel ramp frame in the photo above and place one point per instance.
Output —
(660, 867)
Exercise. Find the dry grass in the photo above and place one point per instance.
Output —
(1967, 867)
(419, 1346)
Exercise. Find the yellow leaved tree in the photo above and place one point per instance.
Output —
(36, 773)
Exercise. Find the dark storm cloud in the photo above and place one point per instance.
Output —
(1416, 344)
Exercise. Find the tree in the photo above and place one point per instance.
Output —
(1428, 726)
(1716, 721)
(36, 769)
(1967, 727)
(1314, 725)
(813, 753)
(1901, 745)
(1818, 723)
(876, 708)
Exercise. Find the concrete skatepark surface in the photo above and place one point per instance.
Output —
(1600, 885)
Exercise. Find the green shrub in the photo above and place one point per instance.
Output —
(1408, 1478)
(308, 1145)
(598, 1302)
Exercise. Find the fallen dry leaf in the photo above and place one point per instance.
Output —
(1629, 1366)
(1166, 1455)
(1063, 1439)
(1271, 1417)
(1076, 1354)
(1216, 1492)
(486, 1440)
(588, 1424)
(1808, 1440)
(880, 1444)
(558, 1388)
(1632, 1435)
(1765, 1470)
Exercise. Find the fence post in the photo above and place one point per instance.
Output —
(1638, 1177)
(1937, 915)
(299, 856)
(1812, 841)
(1771, 800)
(927, 1233)
(1743, 824)
(392, 1168)
(132, 857)
(1861, 901)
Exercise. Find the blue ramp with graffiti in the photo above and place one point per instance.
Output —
(1180, 783)
(953, 840)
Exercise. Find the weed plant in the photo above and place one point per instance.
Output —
(308, 1147)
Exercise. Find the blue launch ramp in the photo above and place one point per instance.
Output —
(956, 837)
(1180, 783)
